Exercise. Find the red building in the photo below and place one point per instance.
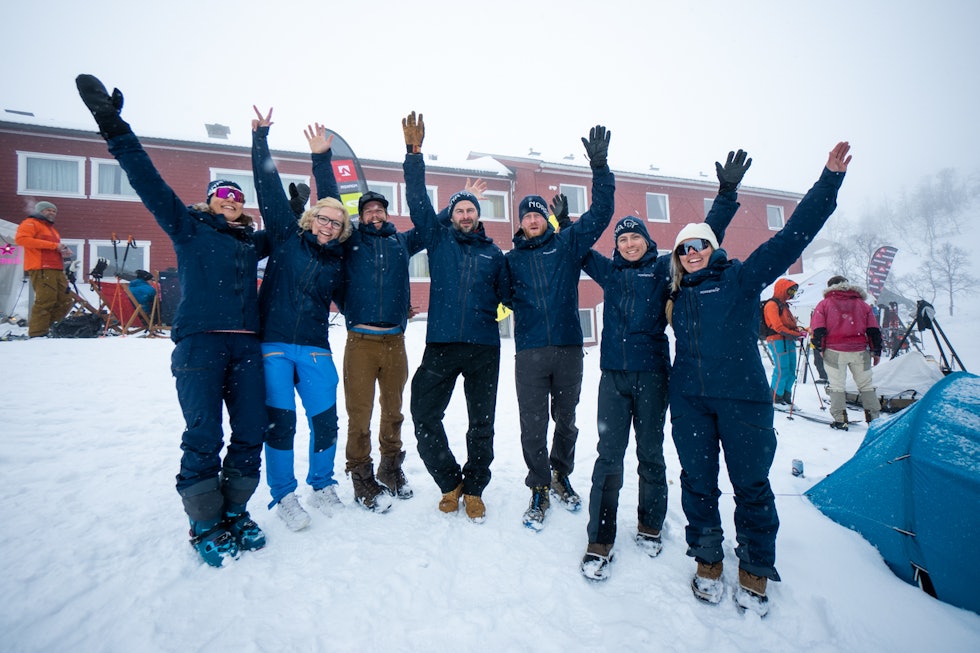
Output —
(99, 215)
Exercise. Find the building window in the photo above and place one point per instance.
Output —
(708, 203)
(110, 182)
(390, 191)
(658, 209)
(586, 317)
(53, 175)
(431, 191)
(774, 217)
(247, 182)
(493, 206)
(418, 267)
(577, 204)
(124, 260)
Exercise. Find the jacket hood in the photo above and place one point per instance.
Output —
(846, 287)
(783, 286)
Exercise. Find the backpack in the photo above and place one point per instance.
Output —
(764, 330)
(78, 326)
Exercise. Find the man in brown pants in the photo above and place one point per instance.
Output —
(44, 261)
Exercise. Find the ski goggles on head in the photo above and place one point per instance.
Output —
(697, 244)
(227, 192)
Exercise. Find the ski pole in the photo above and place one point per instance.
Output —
(815, 388)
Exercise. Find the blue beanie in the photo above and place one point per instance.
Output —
(533, 204)
(462, 196)
(629, 224)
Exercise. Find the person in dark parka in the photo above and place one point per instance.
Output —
(635, 359)
(217, 359)
(719, 394)
(303, 276)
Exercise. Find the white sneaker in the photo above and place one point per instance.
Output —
(292, 513)
(326, 500)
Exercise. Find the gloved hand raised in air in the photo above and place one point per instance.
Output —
(559, 209)
(298, 195)
(730, 175)
(105, 108)
(597, 147)
(414, 133)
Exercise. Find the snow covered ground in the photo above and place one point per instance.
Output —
(94, 553)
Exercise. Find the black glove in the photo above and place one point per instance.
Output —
(817, 338)
(559, 209)
(730, 175)
(99, 268)
(597, 147)
(104, 108)
(298, 194)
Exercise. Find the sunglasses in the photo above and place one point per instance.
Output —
(227, 192)
(697, 244)
(325, 221)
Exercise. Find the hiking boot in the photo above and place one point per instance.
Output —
(649, 540)
(788, 398)
(751, 593)
(367, 492)
(840, 426)
(326, 500)
(450, 500)
(392, 478)
(292, 513)
(561, 487)
(248, 536)
(596, 562)
(476, 510)
(534, 515)
(213, 542)
(707, 584)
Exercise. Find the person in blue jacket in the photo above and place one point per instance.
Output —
(468, 281)
(634, 359)
(377, 302)
(545, 266)
(719, 394)
(302, 277)
(217, 359)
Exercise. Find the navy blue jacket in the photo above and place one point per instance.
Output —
(716, 312)
(635, 294)
(216, 262)
(302, 276)
(545, 271)
(376, 280)
(468, 276)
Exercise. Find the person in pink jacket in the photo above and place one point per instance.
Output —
(846, 331)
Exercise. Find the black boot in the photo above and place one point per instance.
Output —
(392, 478)
(367, 492)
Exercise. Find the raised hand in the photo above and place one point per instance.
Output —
(263, 121)
(730, 175)
(298, 195)
(414, 131)
(477, 187)
(105, 108)
(839, 157)
(559, 207)
(597, 147)
(317, 138)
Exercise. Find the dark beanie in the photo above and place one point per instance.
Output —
(532, 204)
(833, 281)
(629, 225)
(221, 183)
(461, 196)
(371, 196)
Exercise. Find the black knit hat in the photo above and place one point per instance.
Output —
(461, 196)
(371, 196)
(532, 204)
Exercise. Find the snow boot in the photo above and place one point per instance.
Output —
(367, 492)
(840, 426)
(392, 478)
(597, 561)
(536, 510)
(649, 540)
(751, 593)
(213, 542)
(248, 536)
(292, 513)
(326, 500)
(562, 490)
(788, 398)
(450, 500)
(476, 510)
(707, 584)
(871, 405)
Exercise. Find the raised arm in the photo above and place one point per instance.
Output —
(419, 206)
(322, 155)
(587, 229)
(271, 196)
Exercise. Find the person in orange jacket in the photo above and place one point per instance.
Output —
(44, 262)
(785, 334)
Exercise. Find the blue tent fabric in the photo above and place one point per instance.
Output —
(912, 489)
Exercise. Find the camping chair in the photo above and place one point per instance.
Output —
(150, 322)
(119, 309)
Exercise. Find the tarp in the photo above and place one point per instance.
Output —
(911, 371)
(11, 271)
(912, 489)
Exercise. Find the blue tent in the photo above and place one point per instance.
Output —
(912, 489)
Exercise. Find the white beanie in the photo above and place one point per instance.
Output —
(696, 230)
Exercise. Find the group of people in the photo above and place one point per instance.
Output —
(248, 349)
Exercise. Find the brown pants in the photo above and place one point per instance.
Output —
(371, 359)
(51, 300)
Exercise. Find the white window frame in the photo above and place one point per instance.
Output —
(390, 190)
(94, 193)
(77, 245)
(92, 251)
(770, 208)
(666, 206)
(22, 189)
(431, 191)
(579, 193)
(708, 203)
(587, 316)
(504, 202)
(411, 277)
